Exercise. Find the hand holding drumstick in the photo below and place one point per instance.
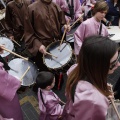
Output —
(42, 49)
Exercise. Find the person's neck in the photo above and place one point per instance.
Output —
(97, 19)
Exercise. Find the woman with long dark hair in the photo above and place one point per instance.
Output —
(86, 89)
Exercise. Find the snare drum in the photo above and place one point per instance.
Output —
(114, 33)
(111, 114)
(9, 45)
(19, 66)
(64, 55)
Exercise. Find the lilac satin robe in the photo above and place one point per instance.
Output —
(86, 29)
(9, 102)
(87, 4)
(64, 6)
(52, 109)
(1, 118)
(71, 69)
(89, 104)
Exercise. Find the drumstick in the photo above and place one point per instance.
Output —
(63, 35)
(25, 73)
(114, 106)
(112, 101)
(22, 37)
(16, 42)
(13, 53)
(62, 102)
(77, 20)
(50, 54)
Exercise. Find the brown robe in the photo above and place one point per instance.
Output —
(43, 25)
(14, 19)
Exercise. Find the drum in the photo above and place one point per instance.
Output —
(64, 55)
(114, 33)
(111, 114)
(9, 45)
(70, 39)
(17, 68)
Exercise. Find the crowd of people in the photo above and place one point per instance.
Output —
(35, 24)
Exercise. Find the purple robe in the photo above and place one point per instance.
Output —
(87, 4)
(9, 102)
(1, 118)
(71, 69)
(86, 29)
(52, 109)
(64, 6)
(89, 104)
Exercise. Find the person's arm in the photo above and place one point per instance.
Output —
(53, 107)
(79, 37)
(31, 40)
(77, 9)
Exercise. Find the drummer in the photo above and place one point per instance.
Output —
(42, 28)
(72, 10)
(9, 102)
(14, 20)
(92, 26)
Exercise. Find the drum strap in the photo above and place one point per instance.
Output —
(100, 29)
(42, 97)
(71, 9)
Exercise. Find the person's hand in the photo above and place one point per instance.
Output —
(1, 50)
(11, 37)
(67, 27)
(42, 49)
(81, 18)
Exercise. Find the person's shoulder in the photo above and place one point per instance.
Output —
(11, 3)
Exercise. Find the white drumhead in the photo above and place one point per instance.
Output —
(19, 66)
(8, 44)
(63, 55)
(116, 31)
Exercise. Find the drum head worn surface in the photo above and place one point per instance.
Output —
(115, 32)
(19, 66)
(8, 44)
(63, 55)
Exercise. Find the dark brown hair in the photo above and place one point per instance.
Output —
(100, 6)
(93, 64)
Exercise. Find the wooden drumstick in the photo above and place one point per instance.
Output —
(22, 37)
(77, 20)
(13, 53)
(63, 35)
(114, 106)
(62, 102)
(112, 101)
(25, 73)
(16, 42)
(50, 54)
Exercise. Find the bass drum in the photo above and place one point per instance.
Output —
(17, 68)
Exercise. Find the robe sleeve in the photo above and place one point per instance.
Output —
(77, 9)
(79, 37)
(53, 107)
(8, 85)
(90, 106)
(31, 41)
(8, 22)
